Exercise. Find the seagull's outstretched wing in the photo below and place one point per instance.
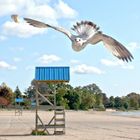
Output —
(39, 24)
(116, 48)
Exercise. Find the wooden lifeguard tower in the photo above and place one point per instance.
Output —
(18, 107)
(52, 75)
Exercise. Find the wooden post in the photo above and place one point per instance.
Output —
(54, 108)
(37, 104)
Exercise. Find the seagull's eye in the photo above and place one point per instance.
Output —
(77, 39)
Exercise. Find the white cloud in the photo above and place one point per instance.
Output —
(7, 6)
(63, 10)
(37, 8)
(17, 59)
(2, 37)
(74, 61)
(85, 69)
(120, 63)
(38, 11)
(109, 62)
(44, 11)
(5, 65)
(21, 7)
(46, 59)
(17, 49)
(29, 68)
(133, 46)
(130, 67)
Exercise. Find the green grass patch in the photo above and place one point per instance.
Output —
(38, 132)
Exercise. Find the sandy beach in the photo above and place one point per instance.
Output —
(80, 125)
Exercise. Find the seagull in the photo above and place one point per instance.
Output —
(87, 33)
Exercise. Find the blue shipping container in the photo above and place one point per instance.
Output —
(52, 74)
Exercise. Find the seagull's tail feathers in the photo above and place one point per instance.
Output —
(36, 23)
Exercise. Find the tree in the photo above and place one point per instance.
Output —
(62, 90)
(118, 102)
(105, 100)
(92, 88)
(99, 102)
(134, 103)
(73, 99)
(87, 101)
(18, 93)
(134, 99)
(88, 96)
(125, 103)
(111, 102)
(30, 93)
(6, 94)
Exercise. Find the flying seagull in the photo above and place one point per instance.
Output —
(87, 33)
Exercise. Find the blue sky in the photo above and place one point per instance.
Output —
(22, 47)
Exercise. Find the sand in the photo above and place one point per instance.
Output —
(80, 125)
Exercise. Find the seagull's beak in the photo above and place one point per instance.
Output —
(15, 18)
(78, 43)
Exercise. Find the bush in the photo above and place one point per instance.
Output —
(99, 108)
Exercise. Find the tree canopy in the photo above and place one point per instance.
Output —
(6, 94)
(81, 97)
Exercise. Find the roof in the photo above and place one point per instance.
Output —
(52, 74)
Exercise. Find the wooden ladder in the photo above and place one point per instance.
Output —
(59, 121)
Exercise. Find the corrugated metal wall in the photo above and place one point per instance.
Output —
(52, 73)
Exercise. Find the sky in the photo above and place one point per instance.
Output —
(23, 47)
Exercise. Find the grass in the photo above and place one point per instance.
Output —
(38, 132)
